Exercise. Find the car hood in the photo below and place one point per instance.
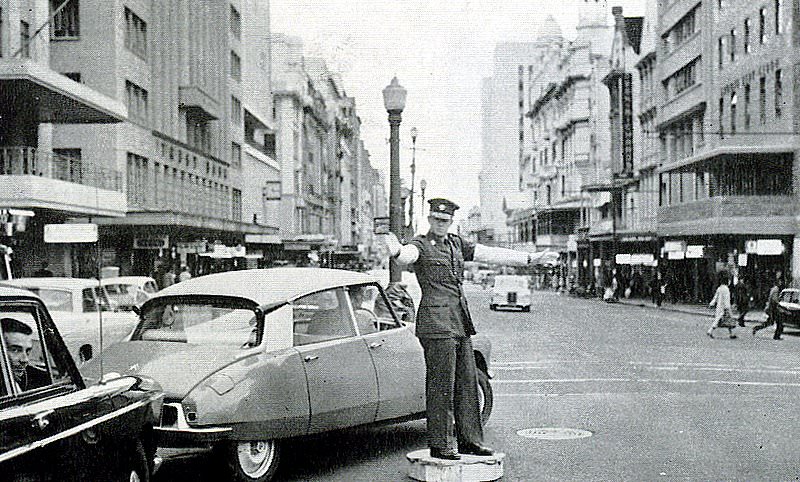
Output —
(177, 367)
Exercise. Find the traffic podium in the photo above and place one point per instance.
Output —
(471, 468)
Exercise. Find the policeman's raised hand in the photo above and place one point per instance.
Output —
(548, 258)
(391, 242)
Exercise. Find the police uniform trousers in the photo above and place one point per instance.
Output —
(451, 392)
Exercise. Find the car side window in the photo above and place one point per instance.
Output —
(321, 316)
(88, 300)
(26, 351)
(150, 287)
(371, 310)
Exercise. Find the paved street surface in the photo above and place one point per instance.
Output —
(661, 399)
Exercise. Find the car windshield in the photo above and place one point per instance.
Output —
(202, 323)
(54, 300)
(510, 282)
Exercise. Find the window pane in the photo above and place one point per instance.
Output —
(321, 316)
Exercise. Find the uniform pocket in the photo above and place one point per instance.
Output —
(434, 319)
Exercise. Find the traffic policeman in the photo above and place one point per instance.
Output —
(444, 327)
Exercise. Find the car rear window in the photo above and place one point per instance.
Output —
(511, 282)
(202, 323)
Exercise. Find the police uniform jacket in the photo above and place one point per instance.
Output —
(443, 311)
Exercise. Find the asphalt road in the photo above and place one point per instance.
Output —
(661, 400)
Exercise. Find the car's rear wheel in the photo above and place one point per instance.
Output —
(485, 396)
(253, 460)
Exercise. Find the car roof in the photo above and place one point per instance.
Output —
(11, 292)
(789, 290)
(126, 280)
(266, 286)
(52, 282)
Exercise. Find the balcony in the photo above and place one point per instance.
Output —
(28, 85)
(37, 179)
(193, 98)
(552, 240)
(729, 214)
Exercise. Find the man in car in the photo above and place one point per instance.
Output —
(444, 327)
(19, 338)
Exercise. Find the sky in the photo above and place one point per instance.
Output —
(439, 50)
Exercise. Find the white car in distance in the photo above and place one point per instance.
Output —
(511, 291)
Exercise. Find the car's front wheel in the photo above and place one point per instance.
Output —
(135, 466)
(252, 460)
(485, 396)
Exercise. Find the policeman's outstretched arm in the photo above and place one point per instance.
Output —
(405, 253)
(510, 257)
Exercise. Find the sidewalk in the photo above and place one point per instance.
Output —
(754, 316)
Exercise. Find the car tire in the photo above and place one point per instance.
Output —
(485, 396)
(493, 307)
(252, 460)
(526, 309)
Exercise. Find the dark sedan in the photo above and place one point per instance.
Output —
(52, 427)
(789, 307)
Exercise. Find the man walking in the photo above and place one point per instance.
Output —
(742, 294)
(444, 327)
(772, 310)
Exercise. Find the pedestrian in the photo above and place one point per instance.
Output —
(656, 288)
(772, 310)
(444, 327)
(169, 278)
(743, 298)
(722, 302)
(44, 271)
(185, 274)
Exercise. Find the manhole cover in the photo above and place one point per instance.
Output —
(554, 433)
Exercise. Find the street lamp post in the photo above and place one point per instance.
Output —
(394, 100)
(422, 186)
(413, 170)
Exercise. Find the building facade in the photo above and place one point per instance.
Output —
(728, 125)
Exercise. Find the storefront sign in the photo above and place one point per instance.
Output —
(262, 239)
(623, 259)
(572, 243)
(296, 247)
(751, 246)
(636, 239)
(675, 255)
(596, 262)
(70, 233)
(381, 225)
(645, 259)
(673, 246)
(743, 259)
(769, 247)
(694, 251)
(161, 242)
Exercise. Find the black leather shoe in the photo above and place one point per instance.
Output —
(475, 449)
(445, 454)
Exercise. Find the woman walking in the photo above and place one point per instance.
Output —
(722, 302)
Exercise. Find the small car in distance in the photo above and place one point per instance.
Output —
(125, 292)
(248, 358)
(789, 307)
(511, 291)
(54, 427)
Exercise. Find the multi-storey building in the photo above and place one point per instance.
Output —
(570, 138)
(630, 245)
(196, 149)
(504, 102)
(43, 180)
(328, 199)
(728, 195)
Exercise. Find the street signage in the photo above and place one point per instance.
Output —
(694, 251)
(674, 246)
(751, 246)
(157, 242)
(676, 255)
(623, 259)
(769, 247)
(743, 259)
(70, 233)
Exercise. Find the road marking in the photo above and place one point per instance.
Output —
(644, 380)
(672, 368)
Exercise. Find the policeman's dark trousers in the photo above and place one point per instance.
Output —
(451, 392)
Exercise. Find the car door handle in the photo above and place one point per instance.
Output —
(40, 420)
(376, 344)
(310, 358)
